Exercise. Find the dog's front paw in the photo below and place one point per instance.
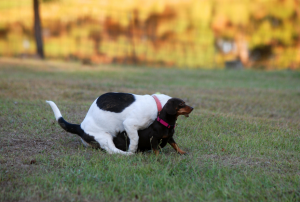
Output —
(129, 153)
(183, 153)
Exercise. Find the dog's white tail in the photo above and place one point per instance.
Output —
(55, 109)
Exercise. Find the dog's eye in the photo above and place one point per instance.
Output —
(182, 104)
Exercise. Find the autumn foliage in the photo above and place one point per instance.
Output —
(192, 33)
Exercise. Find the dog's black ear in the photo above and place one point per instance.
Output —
(170, 107)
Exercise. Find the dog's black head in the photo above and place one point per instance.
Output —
(176, 106)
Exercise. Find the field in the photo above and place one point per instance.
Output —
(242, 138)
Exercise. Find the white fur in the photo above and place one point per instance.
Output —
(104, 125)
(55, 109)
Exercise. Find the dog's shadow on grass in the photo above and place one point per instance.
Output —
(94, 146)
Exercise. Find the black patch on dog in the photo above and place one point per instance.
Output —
(76, 129)
(115, 102)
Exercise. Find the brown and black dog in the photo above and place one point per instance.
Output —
(158, 134)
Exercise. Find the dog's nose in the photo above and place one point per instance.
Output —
(192, 108)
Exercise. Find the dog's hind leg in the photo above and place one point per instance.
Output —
(132, 133)
(106, 143)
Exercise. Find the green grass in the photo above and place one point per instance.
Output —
(242, 138)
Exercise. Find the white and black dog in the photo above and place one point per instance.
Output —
(112, 113)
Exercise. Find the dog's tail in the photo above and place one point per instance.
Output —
(69, 127)
(73, 128)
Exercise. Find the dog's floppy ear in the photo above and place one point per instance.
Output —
(170, 107)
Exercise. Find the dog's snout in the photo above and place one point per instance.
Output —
(190, 108)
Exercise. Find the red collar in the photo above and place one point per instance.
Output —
(159, 108)
(158, 104)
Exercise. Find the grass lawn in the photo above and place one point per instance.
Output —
(242, 138)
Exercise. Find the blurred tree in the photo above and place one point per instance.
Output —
(38, 30)
(258, 33)
(95, 35)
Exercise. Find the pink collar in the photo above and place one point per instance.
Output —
(164, 123)
(159, 108)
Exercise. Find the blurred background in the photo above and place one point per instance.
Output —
(257, 34)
